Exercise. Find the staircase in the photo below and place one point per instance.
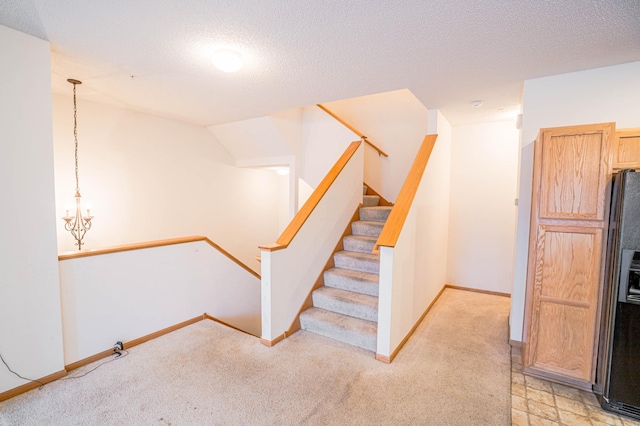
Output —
(346, 307)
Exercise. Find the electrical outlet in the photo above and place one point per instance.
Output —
(118, 346)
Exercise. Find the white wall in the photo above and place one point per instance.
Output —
(304, 192)
(307, 140)
(324, 140)
(289, 125)
(30, 325)
(127, 295)
(288, 275)
(254, 138)
(284, 213)
(415, 270)
(484, 173)
(396, 122)
(593, 96)
(152, 178)
(271, 140)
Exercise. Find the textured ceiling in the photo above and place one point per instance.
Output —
(298, 53)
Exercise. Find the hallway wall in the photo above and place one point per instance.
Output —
(151, 178)
(30, 323)
(484, 172)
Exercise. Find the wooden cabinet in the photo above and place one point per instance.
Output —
(565, 297)
(572, 171)
(627, 149)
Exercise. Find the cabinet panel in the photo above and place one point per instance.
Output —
(570, 266)
(564, 346)
(573, 175)
(566, 283)
(627, 149)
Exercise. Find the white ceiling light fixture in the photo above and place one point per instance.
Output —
(477, 104)
(227, 60)
(282, 171)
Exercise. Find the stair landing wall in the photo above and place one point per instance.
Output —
(413, 273)
(288, 275)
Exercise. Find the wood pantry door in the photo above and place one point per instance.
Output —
(575, 171)
(564, 311)
(572, 172)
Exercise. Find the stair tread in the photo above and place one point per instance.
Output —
(351, 280)
(377, 214)
(354, 331)
(358, 255)
(356, 275)
(353, 304)
(359, 243)
(377, 208)
(365, 262)
(365, 227)
(370, 200)
(342, 321)
(348, 296)
(361, 238)
(369, 222)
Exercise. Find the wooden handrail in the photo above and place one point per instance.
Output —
(391, 230)
(353, 129)
(303, 214)
(151, 244)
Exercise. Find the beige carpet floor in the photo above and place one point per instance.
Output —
(455, 370)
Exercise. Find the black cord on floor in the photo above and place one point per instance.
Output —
(23, 378)
(118, 355)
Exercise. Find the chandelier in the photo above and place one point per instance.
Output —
(78, 224)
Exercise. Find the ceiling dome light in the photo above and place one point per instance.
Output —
(477, 104)
(227, 60)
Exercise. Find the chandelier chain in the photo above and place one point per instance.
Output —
(78, 223)
(75, 135)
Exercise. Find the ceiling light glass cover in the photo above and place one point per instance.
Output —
(227, 60)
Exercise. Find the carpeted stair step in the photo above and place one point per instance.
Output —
(346, 302)
(347, 279)
(363, 262)
(364, 189)
(375, 214)
(370, 200)
(366, 228)
(359, 243)
(354, 331)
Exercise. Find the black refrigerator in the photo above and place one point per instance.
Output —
(618, 378)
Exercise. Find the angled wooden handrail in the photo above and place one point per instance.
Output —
(303, 214)
(391, 231)
(353, 129)
(151, 244)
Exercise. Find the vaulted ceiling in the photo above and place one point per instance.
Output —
(154, 55)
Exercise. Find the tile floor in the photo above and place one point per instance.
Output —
(537, 402)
